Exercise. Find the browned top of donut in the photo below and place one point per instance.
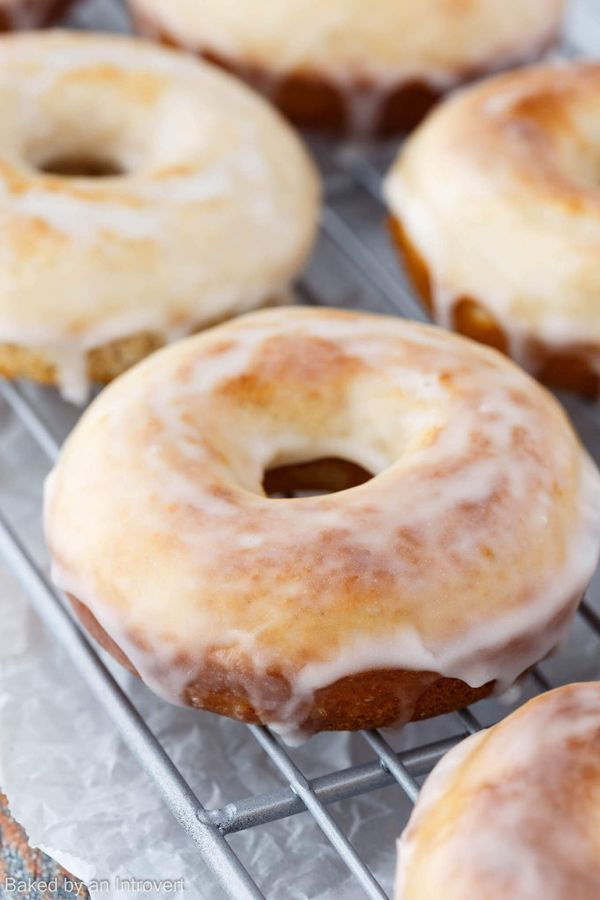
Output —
(513, 812)
(499, 193)
(461, 555)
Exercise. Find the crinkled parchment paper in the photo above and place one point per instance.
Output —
(83, 797)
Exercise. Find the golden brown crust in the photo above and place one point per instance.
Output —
(311, 100)
(58, 8)
(500, 789)
(143, 281)
(369, 699)
(569, 369)
(324, 612)
(104, 363)
(373, 699)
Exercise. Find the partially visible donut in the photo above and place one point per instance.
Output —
(445, 576)
(143, 195)
(495, 204)
(25, 14)
(513, 811)
(351, 65)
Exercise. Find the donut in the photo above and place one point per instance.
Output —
(496, 210)
(452, 559)
(23, 14)
(143, 195)
(352, 66)
(513, 811)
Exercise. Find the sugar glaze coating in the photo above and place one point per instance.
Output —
(498, 193)
(513, 811)
(213, 214)
(464, 555)
(363, 51)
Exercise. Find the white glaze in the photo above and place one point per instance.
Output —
(171, 465)
(215, 215)
(520, 815)
(348, 37)
(368, 50)
(498, 194)
(430, 794)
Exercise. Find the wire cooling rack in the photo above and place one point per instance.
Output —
(353, 266)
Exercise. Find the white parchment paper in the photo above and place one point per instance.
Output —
(83, 797)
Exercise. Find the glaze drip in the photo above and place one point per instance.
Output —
(481, 824)
(517, 156)
(465, 554)
(202, 161)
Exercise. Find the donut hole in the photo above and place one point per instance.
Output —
(82, 166)
(303, 416)
(315, 477)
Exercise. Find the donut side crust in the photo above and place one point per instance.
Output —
(57, 9)
(313, 101)
(103, 363)
(568, 369)
(371, 699)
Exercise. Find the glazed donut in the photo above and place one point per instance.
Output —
(143, 195)
(23, 14)
(445, 576)
(513, 811)
(347, 65)
(496, 208)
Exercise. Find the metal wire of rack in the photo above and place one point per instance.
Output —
(350, 230)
